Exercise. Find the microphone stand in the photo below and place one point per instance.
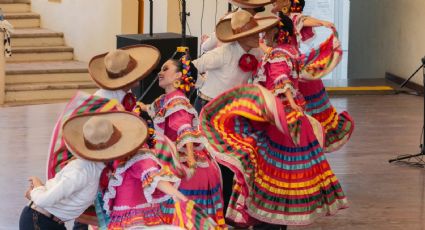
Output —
(419, 156)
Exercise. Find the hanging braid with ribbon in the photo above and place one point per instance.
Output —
(184, 64)
(286, 29)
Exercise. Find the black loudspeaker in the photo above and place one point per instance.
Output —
(166, 43)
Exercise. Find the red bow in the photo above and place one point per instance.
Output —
(248, 63)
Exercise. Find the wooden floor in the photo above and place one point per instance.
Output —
(381, 195)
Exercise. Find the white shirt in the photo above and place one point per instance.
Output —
(111, 94)
(71, 191)
(222, 68)
(211, 43)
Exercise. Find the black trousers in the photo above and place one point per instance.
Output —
(199, 104)
(80, 226)
(227, 177)
(33, 220)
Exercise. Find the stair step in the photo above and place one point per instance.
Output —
(34, 33)
(15, 1)
(47, 53)
(50, 86)
(15, 7)
(15, 97)
(34, 102)
(36, 72)
(21, 15)
(46, 67)
(31, 37)
(23, 20)
(47, 49)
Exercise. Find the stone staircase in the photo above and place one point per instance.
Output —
(41, 69)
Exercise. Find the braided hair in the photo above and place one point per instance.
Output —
(182, 60)
(286, 29)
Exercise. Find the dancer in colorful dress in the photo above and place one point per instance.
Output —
(283, 177)
(174, 116)
(286, 141)
(338, 127)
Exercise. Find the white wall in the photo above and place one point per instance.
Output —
(159, 16)
(90, 26)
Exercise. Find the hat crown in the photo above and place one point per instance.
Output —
(98, 130)
(116, 61)
(240, 19)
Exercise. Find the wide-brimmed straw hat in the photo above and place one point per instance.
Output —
(243, 24)
(251, 3)
(104, 136)
(122, 67)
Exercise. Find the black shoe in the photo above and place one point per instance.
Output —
(267, 226)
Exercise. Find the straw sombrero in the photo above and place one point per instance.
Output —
(251, 3)
(104, 136)
(123, 67)
(243, 24)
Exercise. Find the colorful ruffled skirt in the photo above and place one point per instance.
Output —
(338, 127)
(278, 181)
(314, 65)
(150, 215)
(203, 187)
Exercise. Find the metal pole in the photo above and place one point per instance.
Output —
(183, 22)
(151, 18)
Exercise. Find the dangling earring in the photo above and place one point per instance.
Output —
(176, 84)
(285, 10)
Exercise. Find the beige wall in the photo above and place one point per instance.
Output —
(386, 36)
(405, 37)
(173, 21)
(90, 26)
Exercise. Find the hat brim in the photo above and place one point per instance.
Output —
(225, 33)
(147, 58)
(134, 133)
(251, 3)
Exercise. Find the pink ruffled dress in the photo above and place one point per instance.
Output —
(132, 198)
(174, 116)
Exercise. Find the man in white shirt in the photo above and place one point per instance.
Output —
(93, 139)
(222, 65)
